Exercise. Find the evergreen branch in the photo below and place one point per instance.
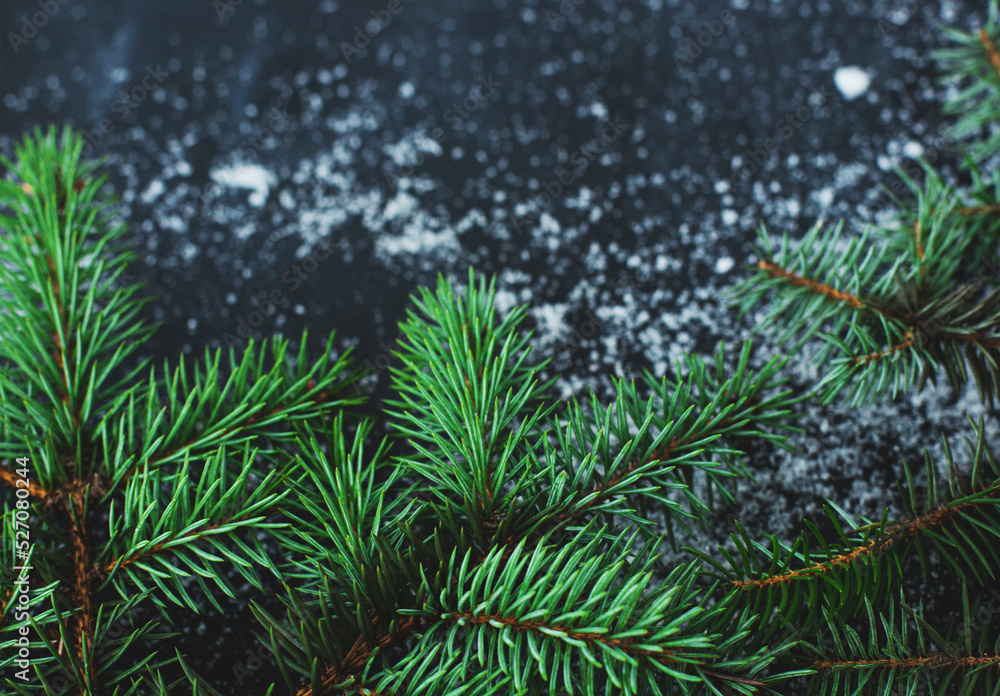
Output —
(953, 239)
(249, 404)
(366, 556)
(905, 317)
(684, 432)
(869, 559)
(463, 386)
(887, 657)
(531, 613)
(818, 285)
(61, 340)
(971, 65)
(345, 512)
(208, 514)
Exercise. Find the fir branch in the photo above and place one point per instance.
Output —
(888, 658)
(463, 387)
(681, 439)
(869, 558)
(66, 328)
(971, 65)
(196, 521)
(250, 403)
(383, 575)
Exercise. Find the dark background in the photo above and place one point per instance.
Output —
(263, 137)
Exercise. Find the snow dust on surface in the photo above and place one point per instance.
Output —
(371, 162)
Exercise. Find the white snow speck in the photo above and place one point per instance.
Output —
(247, 176)
(724, 264)
(119, 75)
(153, 191)
(824, 197)
(913, 149)
(852, 81)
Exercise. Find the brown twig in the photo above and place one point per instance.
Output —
(10, 478)
(776, 271)
(935, 660)
(898, 533)
(980, 210)
(81, 587)
(871, 357)
(991, 50)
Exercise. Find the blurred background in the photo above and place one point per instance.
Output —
(296, 164)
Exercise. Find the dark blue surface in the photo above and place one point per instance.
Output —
(404, 164)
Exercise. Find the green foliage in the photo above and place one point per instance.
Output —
(972, 68)
(895, 305)
(188, 467)
(895, 651)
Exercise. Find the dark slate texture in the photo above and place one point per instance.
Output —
(246, 139)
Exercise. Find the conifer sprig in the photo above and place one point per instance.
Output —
(189, 469)
(893, 306)
(508, 542)
(497, 478)
(896, 651)
(972, 66)
(905, 300)
(817, 577)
